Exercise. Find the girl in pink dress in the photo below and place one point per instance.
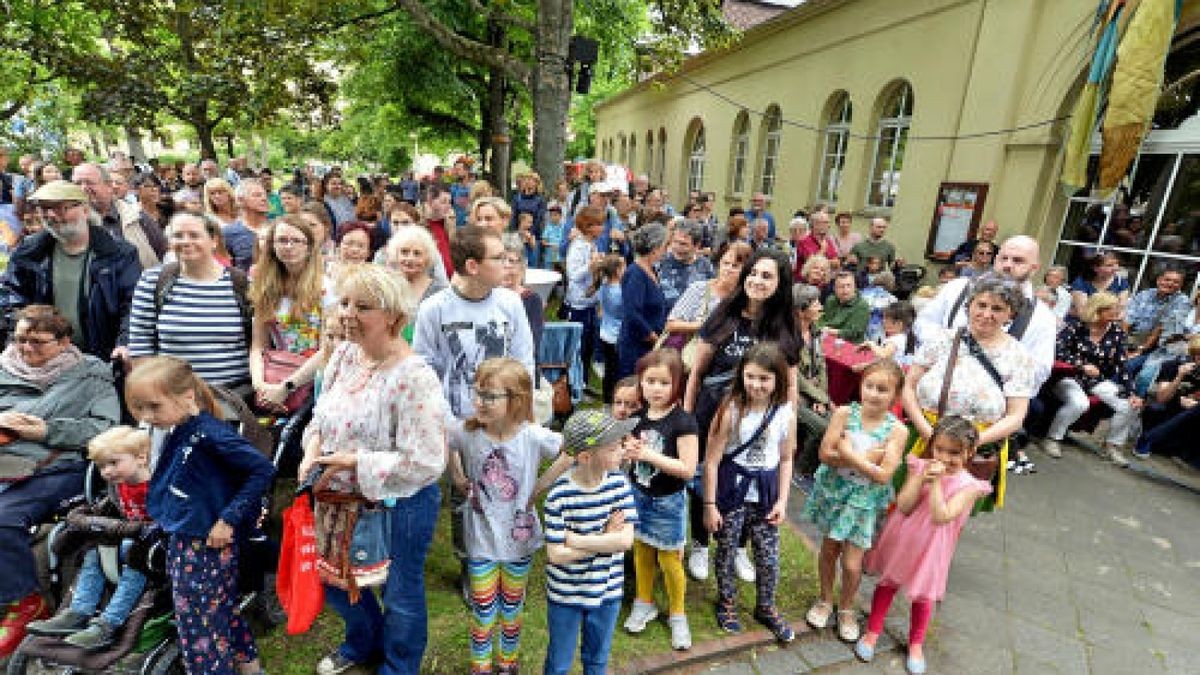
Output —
(918, 540)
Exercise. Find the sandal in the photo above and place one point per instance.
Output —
(847, 625)
(818, 615)
(727, 619)
(779, 627)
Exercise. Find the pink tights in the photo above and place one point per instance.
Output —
(922, 610)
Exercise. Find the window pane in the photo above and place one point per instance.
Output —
(1150, 179)
(1084, 221)
(1181, 221)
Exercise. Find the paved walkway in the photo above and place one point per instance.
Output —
(1090, 569)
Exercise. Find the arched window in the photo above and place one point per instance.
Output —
(633, 158)
(895, 118)
(650, 154)
(662, 157)
(772, 127)
(741, 152)
(624, 156)
(833, 155)
(695, 180)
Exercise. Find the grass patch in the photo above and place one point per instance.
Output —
(448, 649)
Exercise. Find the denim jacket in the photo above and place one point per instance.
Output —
(207, 471)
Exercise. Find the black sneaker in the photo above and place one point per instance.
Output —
(99, 635)
(65, 622)
(779, 627)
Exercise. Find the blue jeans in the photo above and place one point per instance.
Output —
(23, 505)
(399, 630)
(89, 590)
(567, 622)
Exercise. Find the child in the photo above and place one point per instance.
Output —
(918, 540)
(1055, 293)
(859, 454)
(528, 239)
(607, 282)
(899, 342)
(122, 454)
(746, 485)
(663, 453)
(627, 398)
(552, 236)
(497, 453)
(590, 516)
(528, 200)
(206, 489)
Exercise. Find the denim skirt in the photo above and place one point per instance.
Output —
(662, 521)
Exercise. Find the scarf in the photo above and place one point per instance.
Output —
(40, 376)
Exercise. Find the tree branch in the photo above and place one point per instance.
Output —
(508, 19)
(472, 50)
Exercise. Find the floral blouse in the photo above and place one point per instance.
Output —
(973, 392)
(394, 419)
(1075, 347)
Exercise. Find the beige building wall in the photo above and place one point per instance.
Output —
(973, 66)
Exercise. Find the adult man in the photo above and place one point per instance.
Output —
(683, 264)
(760, 233)
(72, 157)
(656, 202)
(639, 188)
(439, 214)
(1156, 315)
(875, 246)
(193, 182)
(122, 219)
(846, 313)
(818, 239)
(1173, 418)
(410, 189)
(209, 169)
(274, 199)
(291, 198)
(233, 174)
(758, 209)
(962, 254)
(77, 266)
(241, 236)
(340, 206)
(1036, 328)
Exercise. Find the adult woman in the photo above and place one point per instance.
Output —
(736, 229)
(514, 276)
(981, 260)
(149, 196)
(218, 201)
(843, 237)
(379, 425)
(812, 381)
(994, 402)
(581, 253)
(818, 271)
(760, 310)
(701, 297)
(317, 217)
(490, 212)
(45, 172)
(644, 303)
(203, 316)
(289, 294)
(54, 400)
(1103, 277)
(413, 254)
(354, 243)
(1095, 346)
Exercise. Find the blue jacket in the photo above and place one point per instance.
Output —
(113, 272)
(207, 471)
(523, 203)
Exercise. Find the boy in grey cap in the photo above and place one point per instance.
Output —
(589, 517)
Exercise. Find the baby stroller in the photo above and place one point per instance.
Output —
(146, 643)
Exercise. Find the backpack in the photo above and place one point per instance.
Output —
(241, 286)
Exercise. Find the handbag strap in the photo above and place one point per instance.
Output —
(983, 359)
(946, 379)
(766, 421)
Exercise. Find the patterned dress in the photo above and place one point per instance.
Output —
(845, 505)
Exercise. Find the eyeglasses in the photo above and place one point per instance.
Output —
(499, 257)
(31, 341)
(291, 241)
(488, 397)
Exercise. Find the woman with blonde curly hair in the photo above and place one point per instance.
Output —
(289, 293)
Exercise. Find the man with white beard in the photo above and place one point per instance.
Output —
(75, 265)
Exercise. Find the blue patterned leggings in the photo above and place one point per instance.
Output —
(204, 581)
(764, 538)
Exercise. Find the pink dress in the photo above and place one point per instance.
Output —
(913, 553)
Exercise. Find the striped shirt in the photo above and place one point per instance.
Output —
(571, 507)
(200, 323)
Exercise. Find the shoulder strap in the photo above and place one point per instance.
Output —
(167, 276)
(946, 379)
(958, 303)
(983, 359)
(1021, 322)
(241, 292)
(766, 421)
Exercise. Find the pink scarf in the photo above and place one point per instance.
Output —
(41, 376)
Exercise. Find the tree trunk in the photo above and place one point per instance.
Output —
(204, 134)
(485, 131)
(551, 89)
(229, 146)
(501, 143)
(133, 138)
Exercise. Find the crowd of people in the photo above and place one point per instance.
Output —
(401, 309)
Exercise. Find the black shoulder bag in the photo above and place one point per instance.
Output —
(732, 481)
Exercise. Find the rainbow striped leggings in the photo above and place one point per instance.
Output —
(497, 596)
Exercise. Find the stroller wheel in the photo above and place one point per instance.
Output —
(165, 659)
(24, 664)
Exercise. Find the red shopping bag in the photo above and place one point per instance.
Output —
(298, 583)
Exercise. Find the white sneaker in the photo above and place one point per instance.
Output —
(1115, 455)
(745, 568)
(681, 635)
(697, 562)
(641, 614)
(1052, 448)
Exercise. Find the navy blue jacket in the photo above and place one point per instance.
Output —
(207, 471)
(113, 272)
(535, 204)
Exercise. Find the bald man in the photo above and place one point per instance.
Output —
(1017, 260)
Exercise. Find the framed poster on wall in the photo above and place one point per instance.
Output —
(955, 218)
